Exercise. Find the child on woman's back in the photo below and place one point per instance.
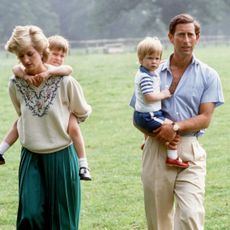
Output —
(59, 48)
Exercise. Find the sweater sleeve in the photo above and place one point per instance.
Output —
(78, 104)
(12, 93)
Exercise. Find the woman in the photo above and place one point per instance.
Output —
(49, 185)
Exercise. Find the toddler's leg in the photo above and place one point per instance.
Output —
(173, 159)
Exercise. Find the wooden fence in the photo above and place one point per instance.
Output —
(129, 44)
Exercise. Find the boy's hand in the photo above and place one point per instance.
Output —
(33, 80)
(2, 160)
(43, 76)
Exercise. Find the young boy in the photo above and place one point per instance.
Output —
(148, 115)
(59, 48)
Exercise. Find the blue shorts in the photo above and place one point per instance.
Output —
(148, 121)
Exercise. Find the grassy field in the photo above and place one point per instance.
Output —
(114, 199)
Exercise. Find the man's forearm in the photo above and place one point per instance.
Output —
(198, 122)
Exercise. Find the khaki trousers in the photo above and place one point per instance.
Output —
(174, 198)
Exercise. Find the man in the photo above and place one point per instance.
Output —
(196, 90)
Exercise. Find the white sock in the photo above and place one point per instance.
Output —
(83, 162)
(3, 147)
(172, 154)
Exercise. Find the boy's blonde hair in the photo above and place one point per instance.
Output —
(149, 45)
(57, 42)
(25, 36)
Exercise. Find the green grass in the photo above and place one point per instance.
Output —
(114, 199)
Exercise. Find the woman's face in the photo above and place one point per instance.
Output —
(31, 59)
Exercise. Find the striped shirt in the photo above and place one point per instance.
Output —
(146, 83)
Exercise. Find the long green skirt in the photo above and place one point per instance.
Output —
(49, 191)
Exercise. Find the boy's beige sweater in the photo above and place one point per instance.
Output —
(44, 112)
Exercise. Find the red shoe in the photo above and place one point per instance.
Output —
(2, 160)
(142, 146)
(177, 163)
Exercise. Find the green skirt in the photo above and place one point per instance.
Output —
(49, 191)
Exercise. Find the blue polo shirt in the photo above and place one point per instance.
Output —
(199, 84)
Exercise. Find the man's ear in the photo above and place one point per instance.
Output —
(198, 37)
(170, 36)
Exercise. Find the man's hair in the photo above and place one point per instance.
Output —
(23, 37)
(57, 42)
(183, 19)
(149, 45)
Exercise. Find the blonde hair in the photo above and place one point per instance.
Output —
(57, 42)
(149, 45)
(25, 36)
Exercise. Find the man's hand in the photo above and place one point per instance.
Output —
(165, 133)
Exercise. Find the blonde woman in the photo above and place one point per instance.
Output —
(49, 184)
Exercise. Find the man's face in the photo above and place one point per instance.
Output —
(56, 57)
(184, 39)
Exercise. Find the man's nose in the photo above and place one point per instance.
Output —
(186, 38)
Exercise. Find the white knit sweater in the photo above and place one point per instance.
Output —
(44, 111)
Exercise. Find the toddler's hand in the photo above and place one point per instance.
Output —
(166, 93)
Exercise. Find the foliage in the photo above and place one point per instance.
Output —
(26, 12)
(91, 19)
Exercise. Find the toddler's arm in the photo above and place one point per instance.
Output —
(151, 97)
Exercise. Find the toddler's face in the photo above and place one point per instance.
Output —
(151, 61)
(56, 57)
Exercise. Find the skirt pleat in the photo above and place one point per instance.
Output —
(49, 191)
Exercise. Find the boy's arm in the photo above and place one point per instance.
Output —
(19, 72)
(62, 70)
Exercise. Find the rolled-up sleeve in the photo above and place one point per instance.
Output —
(14, 99)
(78, 104)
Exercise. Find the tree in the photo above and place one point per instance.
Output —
(154, 15)
(26, 12)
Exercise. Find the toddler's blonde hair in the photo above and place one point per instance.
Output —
(149, 45)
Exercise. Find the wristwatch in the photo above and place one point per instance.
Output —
(176, 127)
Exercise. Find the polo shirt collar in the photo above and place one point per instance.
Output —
(166, 64)
(144, 70)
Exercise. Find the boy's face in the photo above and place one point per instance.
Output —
(151, 61)
(56, 57)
